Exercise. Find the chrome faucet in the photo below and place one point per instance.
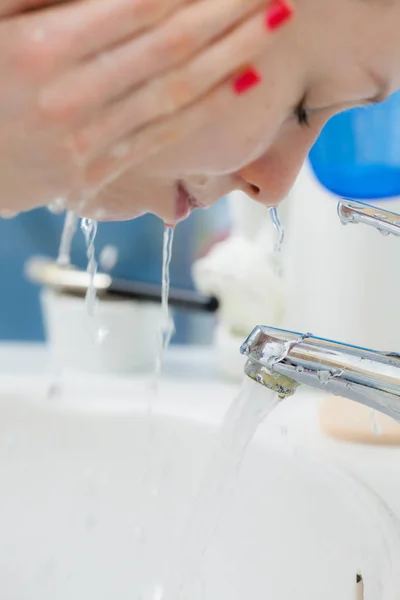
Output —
(283, 360)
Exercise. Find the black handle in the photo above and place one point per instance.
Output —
(147, 292)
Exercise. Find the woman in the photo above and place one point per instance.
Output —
(160, 106)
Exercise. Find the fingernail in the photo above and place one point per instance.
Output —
(246, 80)
(277, 14)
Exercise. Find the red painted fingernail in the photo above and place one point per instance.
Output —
(277, 14)
(246, 80)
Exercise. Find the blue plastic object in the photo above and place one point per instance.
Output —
(357, 155)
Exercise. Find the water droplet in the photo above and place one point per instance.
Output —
(300, 369)
(324, 377)
(57, 206)
(108, 257)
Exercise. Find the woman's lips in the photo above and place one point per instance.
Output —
(185, 203)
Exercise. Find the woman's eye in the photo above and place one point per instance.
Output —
(302, 115)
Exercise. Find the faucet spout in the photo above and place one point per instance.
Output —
(284, 360)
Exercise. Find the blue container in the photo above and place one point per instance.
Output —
(357, 155)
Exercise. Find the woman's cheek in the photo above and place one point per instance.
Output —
(216, 150)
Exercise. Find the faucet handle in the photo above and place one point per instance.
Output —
(384, 221)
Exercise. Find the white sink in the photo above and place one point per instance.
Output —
(78, 523)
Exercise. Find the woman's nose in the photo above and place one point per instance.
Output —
(270, 178)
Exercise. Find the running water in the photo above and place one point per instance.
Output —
(252, 405)
(167, 324)
(273, 211)
(89, 230)
(280, 233)
(69, 230)
(154, 459)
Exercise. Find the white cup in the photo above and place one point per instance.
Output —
(122, 336)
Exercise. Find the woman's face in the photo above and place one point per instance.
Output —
(332, 56)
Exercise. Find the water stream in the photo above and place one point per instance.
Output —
(248, 410)
(167, 325)
(89, 230)
(280, 238)
(69, 230)
(273, 211)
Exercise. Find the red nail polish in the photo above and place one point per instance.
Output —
(246, 80)
(277, 14)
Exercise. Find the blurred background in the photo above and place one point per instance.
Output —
(138, 245)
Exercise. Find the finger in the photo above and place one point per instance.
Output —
(133, 150)
(174, 92)
(112, 74)
(73, 31)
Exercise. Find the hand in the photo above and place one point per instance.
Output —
(91, 88)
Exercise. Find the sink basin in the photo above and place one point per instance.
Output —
(95, 498)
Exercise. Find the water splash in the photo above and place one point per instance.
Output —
(89, 230)
(69, 230)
